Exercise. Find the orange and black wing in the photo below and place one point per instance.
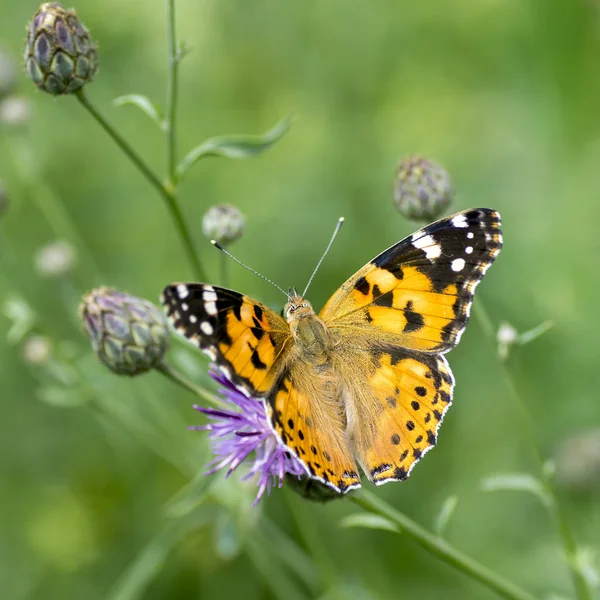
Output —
(418, 294)
(245, 339)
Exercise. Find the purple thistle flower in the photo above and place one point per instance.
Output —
(245, 429)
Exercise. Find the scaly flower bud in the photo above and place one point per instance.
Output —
(60, 55)
(422, 191)
(128, 334)
(223, 223)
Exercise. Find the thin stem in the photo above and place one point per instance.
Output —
(166, 191)
(568, 541)
(174, 375)
(442, 549)
(224, 270)
(172, 93)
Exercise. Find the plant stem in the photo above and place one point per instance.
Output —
(174, 375)
(172, 93)
(165, 190)
(442, 549)
(568, 541)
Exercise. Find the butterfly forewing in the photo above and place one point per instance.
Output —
(418, 293)
(246, 339)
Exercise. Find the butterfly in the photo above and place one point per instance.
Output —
(363, 384)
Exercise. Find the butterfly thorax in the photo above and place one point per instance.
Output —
(313, 340)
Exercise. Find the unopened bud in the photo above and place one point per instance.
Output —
(422, 191)
(60, 55)
(223, 223)
(128, 334)
(55, 259)
(14, 111)
(37, 350)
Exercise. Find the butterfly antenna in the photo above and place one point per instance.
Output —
(239, 262)
(335, 232)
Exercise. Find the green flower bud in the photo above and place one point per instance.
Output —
(60, 55)
(422, 191)
(311, 489)
(223, 223)
(128, 334)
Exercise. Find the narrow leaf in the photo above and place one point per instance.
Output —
(369, 521)
(144, 104)
(445, 514)
(234, 146)
(533, 334)
(516, 482)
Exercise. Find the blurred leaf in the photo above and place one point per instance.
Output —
(144, 104)
(586, 563)
(517, 482)
(445, 514)
(189, 497)
(533, 334)
(137, 576)
(227, 536)
(369, 522)
(61, 397)
(234, 146)
(22, 317)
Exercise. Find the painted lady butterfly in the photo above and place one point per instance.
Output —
(365, 381)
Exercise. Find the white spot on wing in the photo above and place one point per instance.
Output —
(184, 306)
(469, 249)
(459, 221)
(193, 318)
(426, 243)
(457, 264)
(211, 307)
(182, 291)
(470, 235)
(206, 328)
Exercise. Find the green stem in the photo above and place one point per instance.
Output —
(165, 190)
(172, 93)
(174, 375)
(442, 549)
(568, 541)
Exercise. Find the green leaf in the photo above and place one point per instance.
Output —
(533, 334)
(22, 317)
(144, 104)
(517, 482)
(60, 397)
(369, 521)
(234, 146)
(138, 575)
(189, 497)
(445, 514)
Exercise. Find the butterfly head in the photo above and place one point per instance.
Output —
(297, 307)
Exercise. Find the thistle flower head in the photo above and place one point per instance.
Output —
(223, 223)
(422, 191)
(128, 334)
(242, 433)
(60, 55)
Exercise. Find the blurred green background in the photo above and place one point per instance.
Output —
(505, 94)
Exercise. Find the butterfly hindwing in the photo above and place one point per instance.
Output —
(418, 293)
(398, 409)
(246, 339)
(309, 419)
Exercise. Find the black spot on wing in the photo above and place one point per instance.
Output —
(414, 320)
(362, 285)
